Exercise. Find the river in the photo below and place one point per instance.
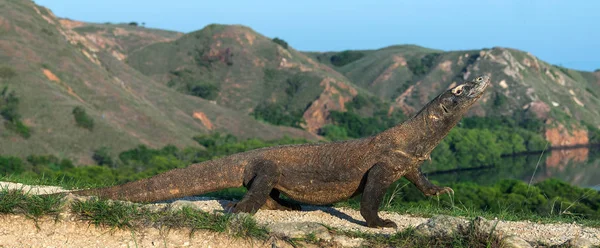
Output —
(579, 167)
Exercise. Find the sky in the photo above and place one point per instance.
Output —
(564, 33)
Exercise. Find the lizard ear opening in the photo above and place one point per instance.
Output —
(444, 108)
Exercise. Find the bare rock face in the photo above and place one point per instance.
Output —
(562, 136)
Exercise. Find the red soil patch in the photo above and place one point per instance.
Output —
(54, 78)
(330, 99)
(398, 61)
(50, 75)
(204, 119)
(561, 136)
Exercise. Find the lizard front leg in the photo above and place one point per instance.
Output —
(379, 178)
(424, 185)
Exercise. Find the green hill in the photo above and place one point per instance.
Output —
(240, 69)
(49, 71)
(524, 86)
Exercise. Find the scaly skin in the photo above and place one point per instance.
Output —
(322, 173)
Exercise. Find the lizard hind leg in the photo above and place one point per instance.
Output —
(260, 180)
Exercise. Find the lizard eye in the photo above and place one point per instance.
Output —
(479, 79)
(458, 90)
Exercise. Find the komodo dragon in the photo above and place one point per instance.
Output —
(322, 173)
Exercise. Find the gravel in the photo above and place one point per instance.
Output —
(351, 220)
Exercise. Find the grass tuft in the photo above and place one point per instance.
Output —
(129, 216)
(410, 238)
(33, 206)
(105, 213)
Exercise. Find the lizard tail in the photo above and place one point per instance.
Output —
(195, 179)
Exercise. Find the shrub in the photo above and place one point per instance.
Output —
(102, 156)
(278, 115)
(10, 165)
(420, 66)
(7, 72)
(20, 128)
(333, 132)
(9, 103)
(281, 42)
(82, 118)
(345, 57)
(204, 90)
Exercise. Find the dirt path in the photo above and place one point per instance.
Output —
(76, 233)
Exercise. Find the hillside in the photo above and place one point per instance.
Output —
(50, 72)
(238, 68)
(118, 39)
(524, 86)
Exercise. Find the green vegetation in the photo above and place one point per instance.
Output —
(33, 206)
(354, 124)
(82, 118)
(133, 216)
(7, 72)
(207, 91)
(420, 66)
(140, 162)
(9, 107)
(185, 81)
(593, 133)
(115, 214)
(285, 111)
(281, 42)
(345, 57)
(482, 141)
(11, 165)
(102, 157)
(409, 238)
(357, 126)
(550, 200)
(278, 114)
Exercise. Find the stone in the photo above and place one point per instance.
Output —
(486, 227)
(578, 243)
(515, 242)
(442, 225)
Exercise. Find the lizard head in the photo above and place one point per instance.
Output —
(451, 105)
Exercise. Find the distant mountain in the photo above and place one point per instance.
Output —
(523, 86)
(62, 81)
(238, 68)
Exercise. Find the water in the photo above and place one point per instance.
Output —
(579, 167)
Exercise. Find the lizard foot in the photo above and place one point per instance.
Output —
(382, 223)
(440, 191)
(242, 207)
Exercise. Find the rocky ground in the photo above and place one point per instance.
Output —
(19, 231)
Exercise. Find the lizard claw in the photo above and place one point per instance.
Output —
(444, 190)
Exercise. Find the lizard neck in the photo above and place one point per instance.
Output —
(419, 135)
